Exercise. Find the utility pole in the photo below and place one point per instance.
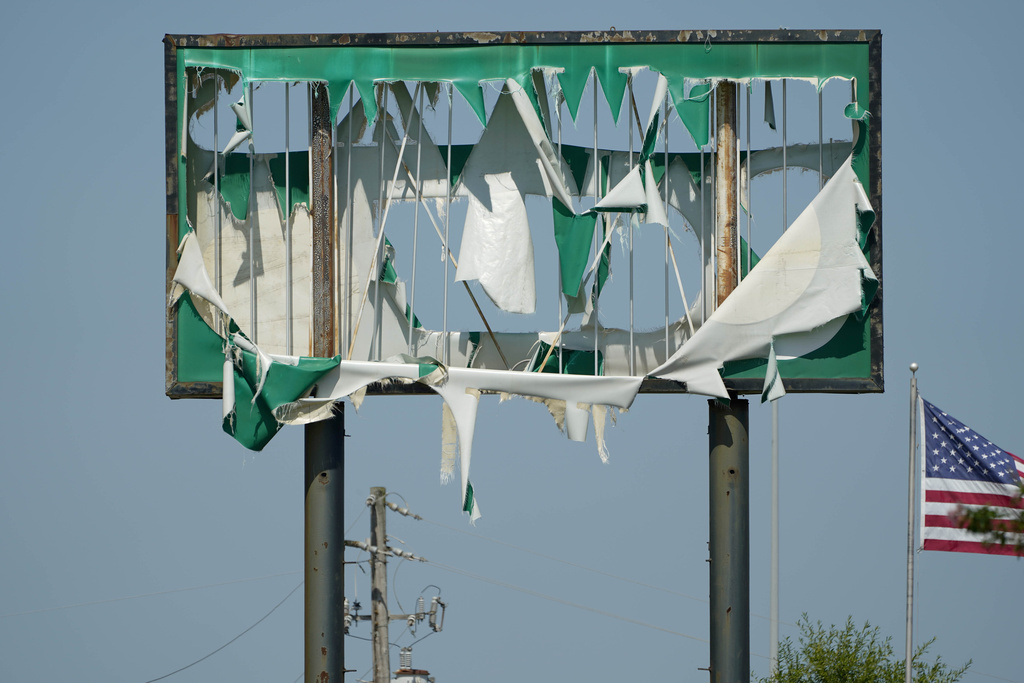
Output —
(729, 450)
(324, 449)
(379, 580)
(379, 616)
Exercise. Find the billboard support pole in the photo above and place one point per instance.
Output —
(726, 215)
(729, 449)
(729, 544)
(324, 555)
(325, 549)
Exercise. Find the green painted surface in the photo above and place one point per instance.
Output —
(234, 184)
(254, 423)
(460, 154)
(754, 258)
(297, 177)
(200, 349)
(694, 112)
(467, 66)
(578, 158)
(848, 354)
(574, 235)
(574, 361)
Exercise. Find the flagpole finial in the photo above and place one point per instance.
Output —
(913, 367)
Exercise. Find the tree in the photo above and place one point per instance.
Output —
(998, 525)
(852, 655)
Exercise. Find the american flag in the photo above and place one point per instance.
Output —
(963, 471)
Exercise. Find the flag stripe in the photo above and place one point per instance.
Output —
(968, 486)
(968, 547)
(954, 534)
(948, 509)
(951, 522)
(935, 521)
(969, 498)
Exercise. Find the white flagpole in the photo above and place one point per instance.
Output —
(773, 600)
(908, 672)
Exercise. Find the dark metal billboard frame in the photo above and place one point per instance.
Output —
(874, 383)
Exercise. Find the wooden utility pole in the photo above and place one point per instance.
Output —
(379, 615)
(729, 448)
(379, 589)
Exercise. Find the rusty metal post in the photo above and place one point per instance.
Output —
(379, 583)
(729, 545)
(729, 451)
(324, 441)
(322, 200)
(726, 219)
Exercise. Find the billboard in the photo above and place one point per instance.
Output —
(528, 203)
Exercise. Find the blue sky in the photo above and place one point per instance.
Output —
(109, 490)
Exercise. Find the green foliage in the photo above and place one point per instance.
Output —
(995, 525)
(852, 655)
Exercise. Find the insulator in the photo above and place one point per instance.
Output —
(433, 614)
(405, 657)
(419, 607)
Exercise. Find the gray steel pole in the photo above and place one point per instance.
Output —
(324, 441)
(325, 549)
(729, 546)
(773, 601)
(908, 664)
(773, 593)
(379, 581)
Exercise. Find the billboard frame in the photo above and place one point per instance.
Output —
(873, 383)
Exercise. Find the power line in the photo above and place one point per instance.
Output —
(566, 562)
(147, 595)
(423, 638)
(353, 524)
(551, 598)
(583, 567)
(568, 603)
(153, 680)
(370, 640)
(998, 678)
